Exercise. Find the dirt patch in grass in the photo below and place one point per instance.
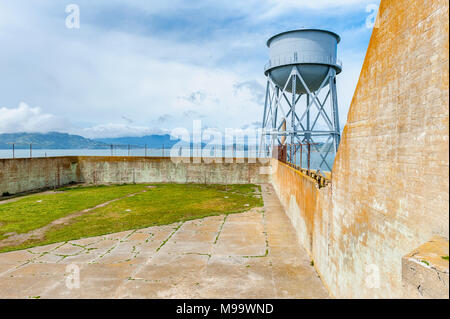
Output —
(32, 212)
(14, 239)
(161, 205)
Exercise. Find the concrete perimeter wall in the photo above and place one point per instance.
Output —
(390, 182)
(25, 174)
(164, 170)
(21, 175)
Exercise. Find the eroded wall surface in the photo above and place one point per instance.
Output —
(164, 170)
(390, 187)
(25, 174)
(21, 175)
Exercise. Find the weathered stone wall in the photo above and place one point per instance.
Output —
(390, 183)
(310, 211)
(25, 174)
(21, 175)
(164, 170)
(425, 273)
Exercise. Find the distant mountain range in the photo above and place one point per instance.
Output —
(52, 140)
(55, 140)
(152, 141)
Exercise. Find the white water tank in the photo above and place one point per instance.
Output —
(313, 51)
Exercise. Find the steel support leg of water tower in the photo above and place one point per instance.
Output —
(330, 79)
(262, 143)
(337, 137)
(294, 90)
(299, 130)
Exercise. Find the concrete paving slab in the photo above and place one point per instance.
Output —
(25, 286)
(48, 257)
(46, 248)
(168, 269)
(68, 250)
(84, 257)
(38, 269)
(16, 257)
(228, 277)
(248, 255)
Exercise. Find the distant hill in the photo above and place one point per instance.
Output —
(55, 140)
(152, 141)
(51, 140)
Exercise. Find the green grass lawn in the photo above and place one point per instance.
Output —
(161, 205)
(35, 211)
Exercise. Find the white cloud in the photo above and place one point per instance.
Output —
(99, 76)
(28, 119)
(317, 4)
(251, 8)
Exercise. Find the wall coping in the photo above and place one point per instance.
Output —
(315, 181)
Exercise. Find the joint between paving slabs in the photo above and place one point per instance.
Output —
(170, 236)
(266, 239)
(162, 244)
(30, 260)
(220, 229)
(112, 248)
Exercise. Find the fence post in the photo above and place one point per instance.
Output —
(309, 156)
(301, 155)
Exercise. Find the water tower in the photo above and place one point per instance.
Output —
(301, 109)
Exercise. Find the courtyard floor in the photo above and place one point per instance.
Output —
(254, 254)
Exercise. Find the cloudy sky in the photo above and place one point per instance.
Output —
(139, 67)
